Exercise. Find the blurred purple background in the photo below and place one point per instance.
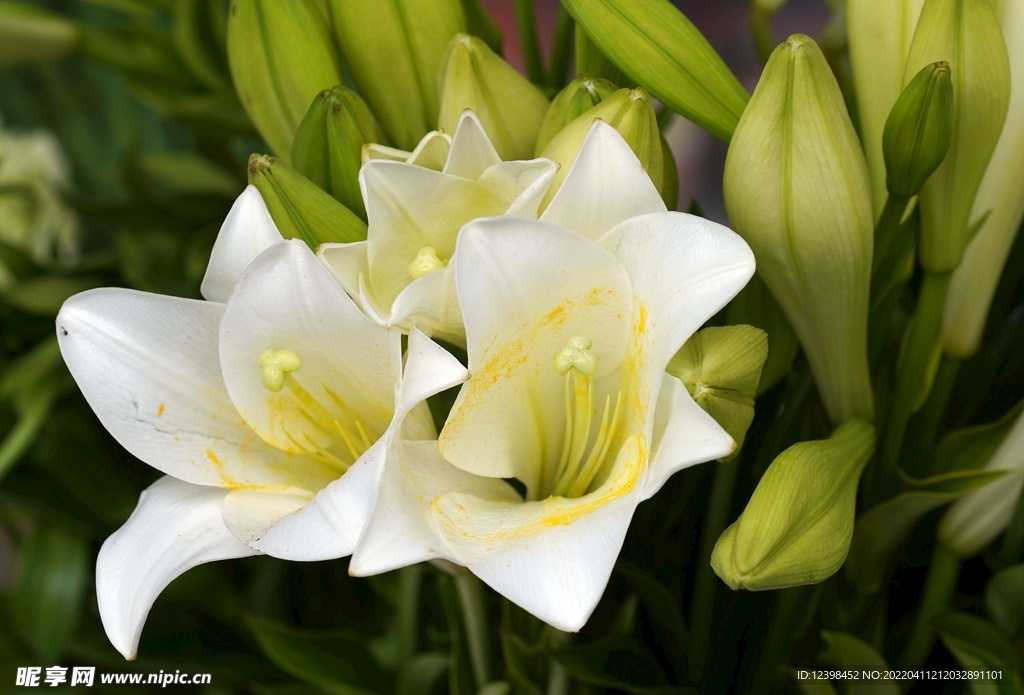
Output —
(726, 24)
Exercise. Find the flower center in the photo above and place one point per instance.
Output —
(575, 473)
(346, 446)
(426, 261)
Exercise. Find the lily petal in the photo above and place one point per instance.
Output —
(148, 366)
(350, 266)
(248, 231)
(433, 301)
(472, 152)
(175, 527)
(605, 186)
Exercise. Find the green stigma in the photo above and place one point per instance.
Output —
(426, 261)
(274, 365)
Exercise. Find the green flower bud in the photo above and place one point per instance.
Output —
(328, 146)
(796, 188)
(797, 527)
(300, 208)
(974, 281)
(281, 56)
(721, 368)
(578, 97)
(629, 111)
(31, 33)
(394, 48)
(509, 106)
(966, 34)
(919, 130)
(879, 34)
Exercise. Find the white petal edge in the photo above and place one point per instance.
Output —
(175, 527)
(248, 231)
(349, 265)
(472, 152)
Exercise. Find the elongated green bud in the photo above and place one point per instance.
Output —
(798, 524)
(966, 34)
(328, 146)
(879, 34)
(796, 188)
(578, 97)
(29, 33)
(655, 45)
(721, 367)
(919, 130)
(300, 208)
(281, 55)
(629, 111)
(509, 106)
(394, 48)
(975, 279)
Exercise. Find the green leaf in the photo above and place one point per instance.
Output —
(460, 678)
(591, 61)
(655, 45)
(977, 643)
(618, 662)
(34, 411)
(846, 651)
(44, 295)
(755, 306)
(663, 608)
(1004, 599)
(187, 173)
(480, 23)
(883, 529)
(419, 675)
(971, 447)
(337, 662)
(46, 602)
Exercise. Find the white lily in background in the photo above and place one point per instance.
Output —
(271, 414)
(415, 214)
(568, 335)
(431, 152)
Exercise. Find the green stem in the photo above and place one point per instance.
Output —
(407, 615)
(478, 636)
(706, 582)
(911, 378)
(943, 576)
(887, 228)
(934, 411)
(792, 611)
(526, 25)
(561, 49)
(558, 677)
(1013, 541)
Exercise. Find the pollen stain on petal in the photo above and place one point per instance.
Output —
(160, 410)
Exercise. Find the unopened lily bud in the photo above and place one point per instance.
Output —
(974, 281)
(797, 526)
(721, 368)
(879, 34)
(578, 97)
(796, 188)
(919, 130)
(510, 107)
(394, 48)
(629, 111)
(975, 520)
(965, 33)
(281, 56)
(300, 208)
(29, 33)
(328, 146)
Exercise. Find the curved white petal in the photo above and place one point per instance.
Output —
(684, 435)
(605, 186)
(525, 288)
(175, 527)
(148, 366)
(288, 300)
(349, 265)
(432, 301)
(429, 369)
(684, 269)
(471, 151)
(248, 231)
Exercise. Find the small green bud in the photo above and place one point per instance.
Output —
(510, 107)
(578, 97)
(30, 33)
(629, 111)
(797, 526)
(965, 33)
(281, 55)
(755, 306)
(300, 208)
(721, 367)
(919, 130)
(328, 146)
(796, 188)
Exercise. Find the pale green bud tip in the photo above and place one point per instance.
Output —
(576, 355)
(919, 130)
(275, 365)
(426, 261)
(259, 165)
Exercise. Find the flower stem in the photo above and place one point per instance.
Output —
(791, 613)
(943, 576)
(558, 677)
(1013, 541)
(706, 582)
(478, 637)
(561, 49)
(526, 25)
(934, 411)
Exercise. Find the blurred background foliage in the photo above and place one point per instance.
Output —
(157, 144)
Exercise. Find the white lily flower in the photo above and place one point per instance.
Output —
(568, 335)
(431, 152)
(415, 214)
(271, 414)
